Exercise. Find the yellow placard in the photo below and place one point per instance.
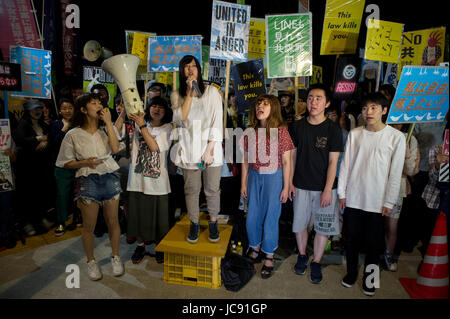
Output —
(165, 77)
(140, 47)
(383, 41)
(317, 75)
(422, 47)
(341, 26)
(257, 39)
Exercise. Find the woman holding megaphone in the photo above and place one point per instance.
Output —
(87, 148)
(197, 110)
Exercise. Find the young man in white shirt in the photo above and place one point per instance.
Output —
(368, 187)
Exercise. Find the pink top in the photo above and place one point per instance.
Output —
(264, 152)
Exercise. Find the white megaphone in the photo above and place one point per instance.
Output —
(93, 50)
(123, 69)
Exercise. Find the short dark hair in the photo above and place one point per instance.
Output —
(320, 86)
(158, 100)
(376, 98)
(64, 100)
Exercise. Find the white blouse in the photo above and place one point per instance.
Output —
(79, 144)
(137, 182)
(204, 123)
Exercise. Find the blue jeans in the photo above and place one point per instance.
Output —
(264, 209)
(98, 188)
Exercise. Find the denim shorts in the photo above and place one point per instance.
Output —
(98, 188)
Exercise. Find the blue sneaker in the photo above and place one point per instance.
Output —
(300, 266)
(316, 273)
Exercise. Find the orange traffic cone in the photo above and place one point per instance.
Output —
(433, 275)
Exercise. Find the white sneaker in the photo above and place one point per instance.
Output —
(117, 266)
(93, 271)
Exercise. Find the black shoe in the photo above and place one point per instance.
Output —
(300, 266)
(213, 232)
(348, 281)
(193, 233)
(368, 291)
(60, 230)
(316, 272)
(159, 256)
(250, 254)
(138, 255)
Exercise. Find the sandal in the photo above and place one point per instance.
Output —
(267, 271)
(250, 253)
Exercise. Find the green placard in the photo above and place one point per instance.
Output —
(289, 45)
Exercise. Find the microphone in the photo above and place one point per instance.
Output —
(196, 88)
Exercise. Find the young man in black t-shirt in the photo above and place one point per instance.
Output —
(318, 142)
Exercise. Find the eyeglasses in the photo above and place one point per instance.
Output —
(158, 106)
(155, 90)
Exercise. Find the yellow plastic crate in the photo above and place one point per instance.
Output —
(199, 271)
(193, 264)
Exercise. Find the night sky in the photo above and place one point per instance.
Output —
(105, 20)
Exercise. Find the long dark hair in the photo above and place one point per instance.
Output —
(79, 118)
(182, 78)
(157, 100)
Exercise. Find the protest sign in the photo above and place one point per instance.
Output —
(205, 61)
(317, 75)
(15, 106)
(6, 179)
(421, 95)
(444, 168)
(346, 77)
(217, 71)
(17, 26)
(248, 83)
(341, 26)
(383, 41)
(257, 39)
(165, 52)
(422, 47)
(10, 77)
(390, 76)
(36, 67)
(5, 134)
(140, 48)
(289, 45)
(96, 77)
(229, 31)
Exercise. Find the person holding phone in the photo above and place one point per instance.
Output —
(87, 148)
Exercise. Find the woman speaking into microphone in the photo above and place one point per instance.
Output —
(197, 109)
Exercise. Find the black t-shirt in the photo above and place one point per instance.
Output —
(314, 143)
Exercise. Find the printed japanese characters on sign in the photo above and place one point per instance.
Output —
(257, 39)
(289, 45)
(10, 77)
(36, 69)
(383, 41)
(422, 47)
(421, 96)
(229, 31)
(341, 26)
(94, 75)
(17, 26)
(165, 52)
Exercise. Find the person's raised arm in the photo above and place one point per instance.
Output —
(139, 120)
(113, 141)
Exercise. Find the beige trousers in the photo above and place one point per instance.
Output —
(193, 185)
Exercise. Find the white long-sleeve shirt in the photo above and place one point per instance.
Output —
(204, 123)
(371, 169)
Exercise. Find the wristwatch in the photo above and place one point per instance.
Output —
(142, 126)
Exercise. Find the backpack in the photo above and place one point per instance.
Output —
(236, 271)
